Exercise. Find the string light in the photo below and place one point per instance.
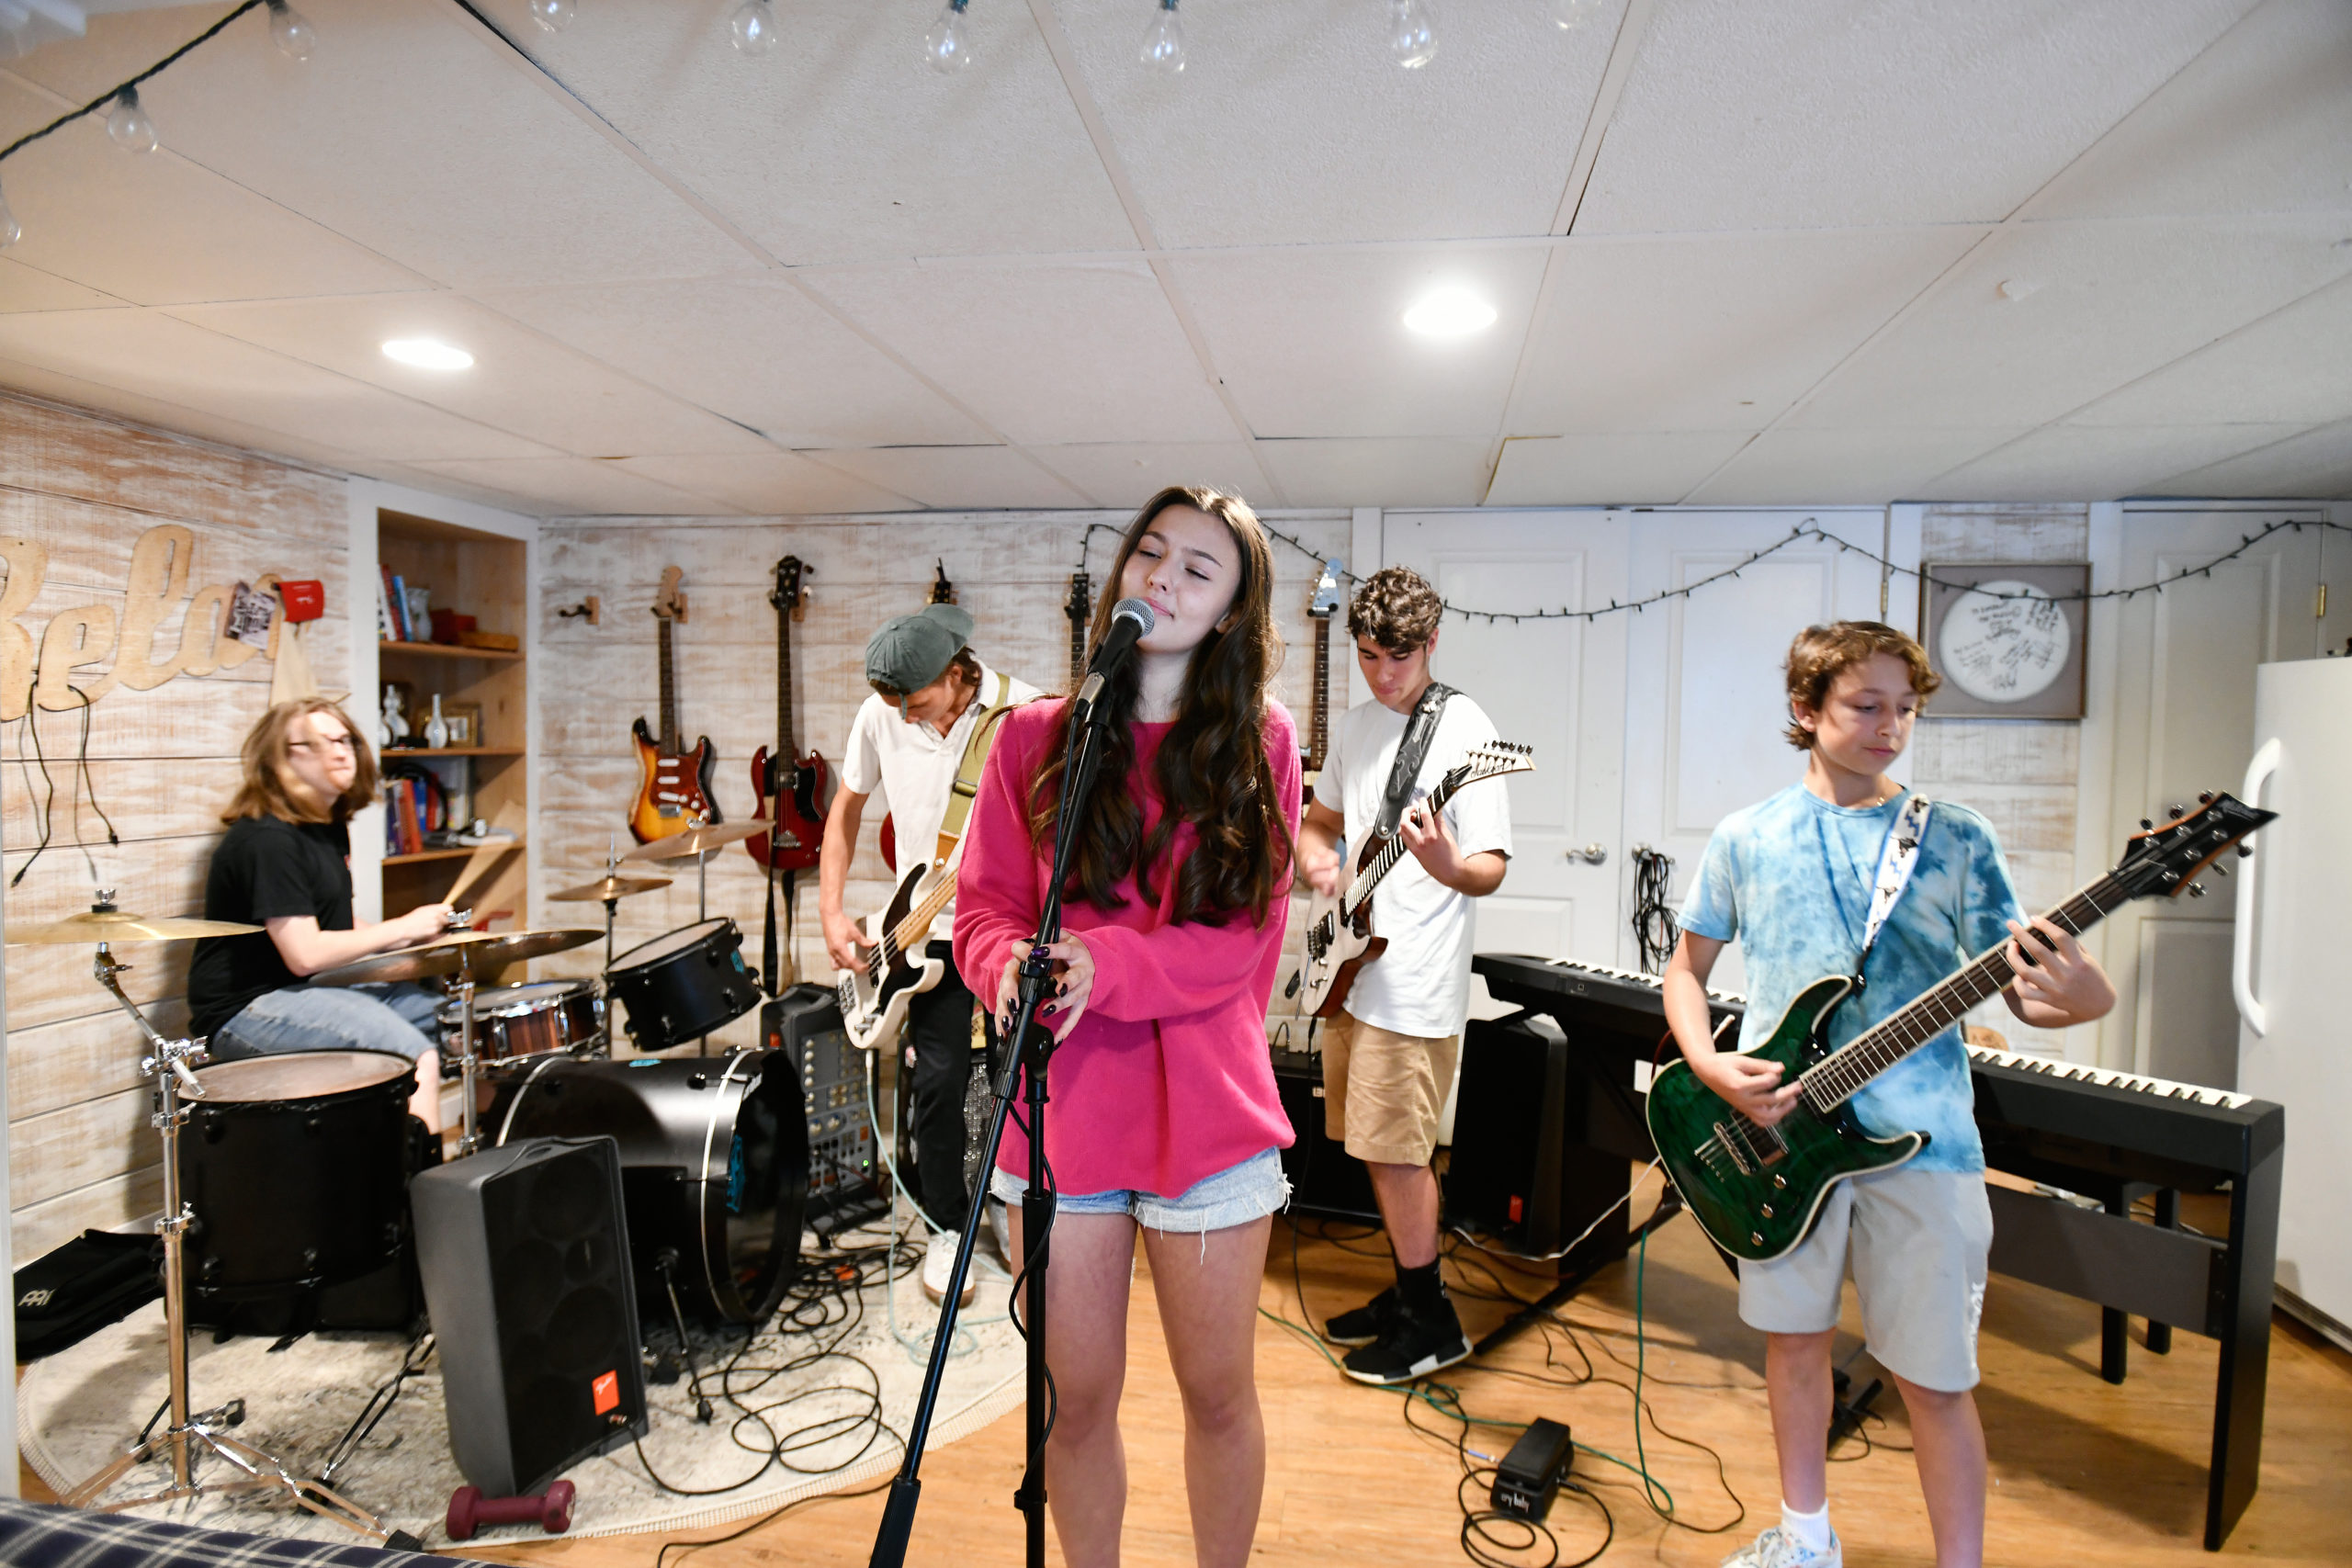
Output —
(753, 26)
(10, 229)
(1570, 14)
(1163, 42)
(129, 125)
(553, 16)
(291, 31)
(948, 46)
(1412, 32)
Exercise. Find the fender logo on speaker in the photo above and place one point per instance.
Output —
(607, 1391)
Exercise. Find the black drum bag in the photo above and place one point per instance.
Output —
(97, 1278)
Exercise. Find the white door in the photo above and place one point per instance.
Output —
(1705, 700)
(1557, 685)
(2184, 723)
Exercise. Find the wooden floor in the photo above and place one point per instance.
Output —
(2084, 1473)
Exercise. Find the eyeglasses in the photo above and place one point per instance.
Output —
(336, 743)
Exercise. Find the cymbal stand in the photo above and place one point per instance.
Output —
(169, 1063)
(469, 1064)
(702, 913)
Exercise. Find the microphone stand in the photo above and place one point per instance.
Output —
(1034, 1044)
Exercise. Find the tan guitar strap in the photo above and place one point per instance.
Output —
(967, 773)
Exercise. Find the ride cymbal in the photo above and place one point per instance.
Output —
(103, 922)
(606, 887)
(700, 841)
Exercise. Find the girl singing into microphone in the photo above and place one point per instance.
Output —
(1164, 1115)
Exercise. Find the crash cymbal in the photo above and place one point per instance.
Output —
(700, 841)
(103, 922)
(473, 953)
(606, 887)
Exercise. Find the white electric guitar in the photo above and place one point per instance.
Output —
(874, 996)
(1340, 938)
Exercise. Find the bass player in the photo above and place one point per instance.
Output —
(910, 739)
(1389, 1053)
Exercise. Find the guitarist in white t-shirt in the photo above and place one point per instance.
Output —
(1389, 1053)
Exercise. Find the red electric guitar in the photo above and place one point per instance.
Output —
(673, 789)
(790, 789)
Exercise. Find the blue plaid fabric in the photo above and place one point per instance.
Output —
(39, 1535)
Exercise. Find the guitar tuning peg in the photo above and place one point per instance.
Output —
(2174, 810)
(2197, 890)
(2205, 798)
(2220, 869)
(2146, 824)
(2246, 852)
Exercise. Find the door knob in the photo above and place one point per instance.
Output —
(1592, 854)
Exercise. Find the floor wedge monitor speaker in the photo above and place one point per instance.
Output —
(524, 1256)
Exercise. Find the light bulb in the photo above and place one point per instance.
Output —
(129, 125)
(553, 16)
(1570, 14)
(1412, 32)
(1449, 312)
(1164, 42)
(291, 31)
(754, 26)
(10, 229)
(948, 45)
(428, 354)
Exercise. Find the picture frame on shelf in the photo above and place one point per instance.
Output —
(2008, 638)
(464, 720)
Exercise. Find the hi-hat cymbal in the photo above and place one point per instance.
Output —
(105, 923)
(700, 841)
(472, 952)
(609, 886)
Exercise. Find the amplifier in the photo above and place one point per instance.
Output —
(1323, 1178)
(845, 1183)
(1530, 1166)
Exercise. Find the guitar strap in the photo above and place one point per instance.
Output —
(1411, 752)
(1896, 857)
(967, 773)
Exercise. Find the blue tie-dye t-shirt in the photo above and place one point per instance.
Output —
(1790, 878)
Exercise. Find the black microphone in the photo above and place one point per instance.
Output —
(1131, 621)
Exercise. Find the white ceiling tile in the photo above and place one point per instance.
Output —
(841, 145)
(768, 483)
(951, 477)
(2073, 462)
(519, 381)
(150, 354)
(1632, 468)
(2289, 368)
(1128, 473)
(1399, 472)
(30, 289)
(159, 227)
(2101, 304)
(1713, 331)
(554, 486)
(2258, 123)
(1292, 123)
(755, 349)
(2318, 463)
(1069, 351)
(1792, 466)
(1821, 113)
(1310, 343)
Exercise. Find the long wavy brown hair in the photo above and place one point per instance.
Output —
(1210, 771)
(263, 793)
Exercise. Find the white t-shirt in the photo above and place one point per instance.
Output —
(914, 766)
(1420, 985)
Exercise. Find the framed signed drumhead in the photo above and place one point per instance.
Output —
(2008, 637)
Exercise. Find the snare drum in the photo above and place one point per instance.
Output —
(684, 985)
(513, 1022)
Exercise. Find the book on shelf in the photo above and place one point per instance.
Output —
(395, 613)
(400, 609)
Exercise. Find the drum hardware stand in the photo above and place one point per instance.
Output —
(1025, 1064)
(169, 1063)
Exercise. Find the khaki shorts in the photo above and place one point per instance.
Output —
(1382, 1091)
(1919, 1240)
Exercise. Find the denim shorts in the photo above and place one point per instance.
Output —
(1233, 1196)
(393, 1018)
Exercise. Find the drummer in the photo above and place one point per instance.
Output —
(285, 865)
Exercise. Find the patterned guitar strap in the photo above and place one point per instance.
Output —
(1412, 749)
(1896, 857)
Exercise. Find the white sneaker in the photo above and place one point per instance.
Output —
(939, 1265)
(1776, 1548)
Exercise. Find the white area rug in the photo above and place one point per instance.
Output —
(76, 1410)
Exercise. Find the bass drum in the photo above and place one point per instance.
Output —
(714, 1167)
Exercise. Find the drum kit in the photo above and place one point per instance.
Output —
(293, 1176)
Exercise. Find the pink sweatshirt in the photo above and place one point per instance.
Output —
(1166, 1080)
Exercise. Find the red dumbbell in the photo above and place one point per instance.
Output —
(469, 1509)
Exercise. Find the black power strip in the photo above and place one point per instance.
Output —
(1529, 1477)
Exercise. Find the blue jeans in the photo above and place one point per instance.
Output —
(396, 1018)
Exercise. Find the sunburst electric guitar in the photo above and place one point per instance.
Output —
(674, 784)
(1757, 1189)
(1340, 938)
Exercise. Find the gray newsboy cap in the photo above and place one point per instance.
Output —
(909, 652)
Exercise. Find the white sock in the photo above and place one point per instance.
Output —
(1812, 1530)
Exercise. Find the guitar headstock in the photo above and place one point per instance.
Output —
(942, 591)
(1079, 607)
(790, 594)
(1492, 760)
(1326, 601)
(2163, 858)
(670, 600)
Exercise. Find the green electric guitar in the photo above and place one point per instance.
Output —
(1757, 1189)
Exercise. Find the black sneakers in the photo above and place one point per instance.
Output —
(1411, 1343)
(1361, 1326)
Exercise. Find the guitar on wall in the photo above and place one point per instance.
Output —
(673, 790)
(1080, 608)
(1340, 938)
(942, 592)
(1757, 1189)
(790, 789)
(1320, 609)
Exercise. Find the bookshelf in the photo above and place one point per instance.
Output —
(482, 575)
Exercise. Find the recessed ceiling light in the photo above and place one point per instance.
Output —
(428, 354)
(1449, 312)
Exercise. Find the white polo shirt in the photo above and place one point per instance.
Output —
(914, 766)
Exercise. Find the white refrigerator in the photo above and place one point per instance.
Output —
(2291, 971)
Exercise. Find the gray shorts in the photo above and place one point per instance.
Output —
(1233, 1196)
(1919, 1239)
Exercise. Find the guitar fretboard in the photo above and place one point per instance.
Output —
(1359, 892)
(1319, 733)
(670, 747)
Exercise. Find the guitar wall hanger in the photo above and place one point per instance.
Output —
(591, 607)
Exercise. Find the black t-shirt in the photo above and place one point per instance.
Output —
(265, 870)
